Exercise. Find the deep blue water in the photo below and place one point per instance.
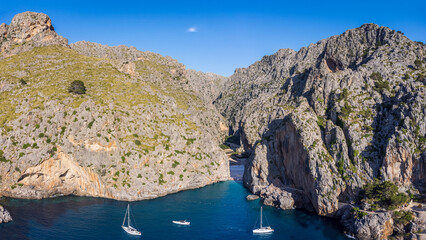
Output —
(218, 211)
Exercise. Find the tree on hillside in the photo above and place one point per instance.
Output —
(77, 87)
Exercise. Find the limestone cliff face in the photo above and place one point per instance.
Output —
(207, 85)
(323, 121)
(140, 131)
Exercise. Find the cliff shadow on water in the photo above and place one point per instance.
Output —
(44, 212)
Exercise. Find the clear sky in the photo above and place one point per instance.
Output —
(218, 36)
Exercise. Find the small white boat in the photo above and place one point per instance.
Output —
(129, 229)
(262, 229)
(181, 222)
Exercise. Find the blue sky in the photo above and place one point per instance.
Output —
(225, 34)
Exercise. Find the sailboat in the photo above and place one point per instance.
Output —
(129, 229)
(262, 229)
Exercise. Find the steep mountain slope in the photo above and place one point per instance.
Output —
(138, 132)
(322, 122)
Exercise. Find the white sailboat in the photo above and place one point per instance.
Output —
(181, 222)
(129, 229)
(262, 229)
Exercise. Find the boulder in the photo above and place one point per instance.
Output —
(4, 215)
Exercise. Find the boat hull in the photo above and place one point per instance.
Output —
(181, 223)
(131, 231)
(263, 230)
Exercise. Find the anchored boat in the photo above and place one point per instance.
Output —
(129, 229)
(262, 229)
(181, 222)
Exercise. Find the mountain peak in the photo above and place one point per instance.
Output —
(28, 30)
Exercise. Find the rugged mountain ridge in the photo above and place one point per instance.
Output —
(140, 131)
(322, 122)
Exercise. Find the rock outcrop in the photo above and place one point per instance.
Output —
(26, 31)
(322, 122)
(4, 215)
(139, 132)
(372, 226)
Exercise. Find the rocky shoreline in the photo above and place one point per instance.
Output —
(4, 215)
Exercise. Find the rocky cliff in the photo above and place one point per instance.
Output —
(140, 130)
(322, 122)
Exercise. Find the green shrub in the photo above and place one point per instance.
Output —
(224, 146)
(385, 194)
(356, 153)
(26, 145)
(402, 217)
(90, 124)
(190, 141)
(343, 95)
(376, 76)
(418, 63)
(379, 84)
(161, 179)
(171, 173)
(63, 130)
(41, 135)
(340, 166)
(357, 213)
(346, 110)
(175, 163)
(137, 142)
(2, 157)
(22, 82)
(321, 121)
(77, 87)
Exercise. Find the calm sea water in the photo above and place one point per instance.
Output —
(218, 211)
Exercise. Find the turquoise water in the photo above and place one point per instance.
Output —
(218, 211)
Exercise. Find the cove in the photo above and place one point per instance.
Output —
(217, 211)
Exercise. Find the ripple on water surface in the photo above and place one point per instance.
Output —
(217, 211)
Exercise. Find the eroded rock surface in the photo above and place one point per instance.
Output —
(372, 226)
(322, 122)
(4, 215)
(26, 31)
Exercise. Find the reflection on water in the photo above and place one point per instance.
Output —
(218, 211)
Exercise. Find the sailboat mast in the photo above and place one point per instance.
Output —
(128, 215)
(124, 219)
(261, 208)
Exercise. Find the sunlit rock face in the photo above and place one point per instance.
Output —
(141, 129)
(321, 122)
